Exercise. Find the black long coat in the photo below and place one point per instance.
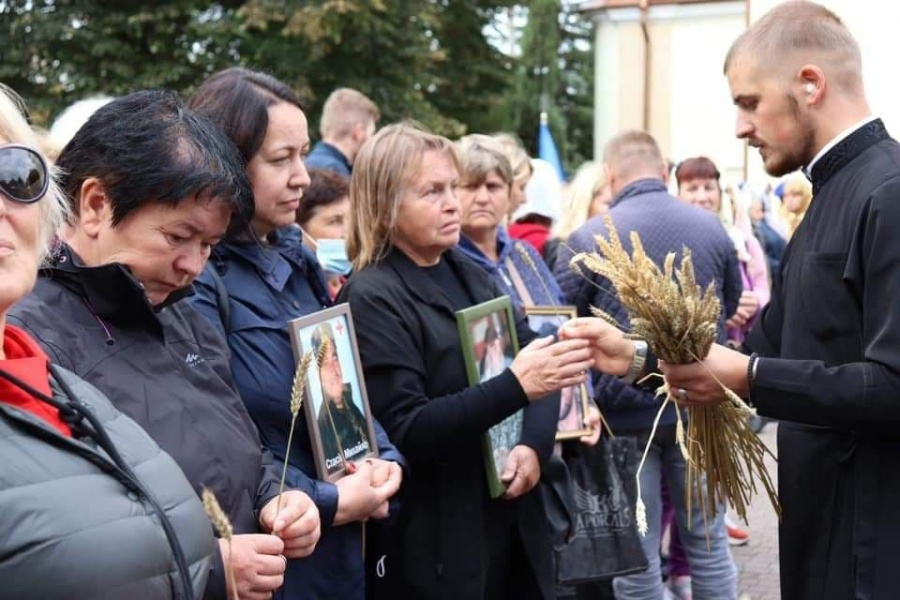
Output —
(835, 314)
(416, 378)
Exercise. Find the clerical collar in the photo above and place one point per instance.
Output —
(834, 142)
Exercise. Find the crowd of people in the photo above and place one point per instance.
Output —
(151, 263)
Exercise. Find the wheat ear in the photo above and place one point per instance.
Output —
(297, 392)
(324, 348)
(223, 527)
(534, 269)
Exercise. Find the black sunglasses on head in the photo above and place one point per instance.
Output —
(24, 176)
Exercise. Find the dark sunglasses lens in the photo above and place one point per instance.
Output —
(23, 176)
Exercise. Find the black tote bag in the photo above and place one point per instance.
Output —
(605, 542)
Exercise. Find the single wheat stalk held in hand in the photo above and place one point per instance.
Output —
(297, 392)
(679, 322)
(223, 527)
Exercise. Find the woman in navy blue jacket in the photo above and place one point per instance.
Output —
(251, 289)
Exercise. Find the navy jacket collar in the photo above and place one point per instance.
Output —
(273, 260)
(336, 154)
(473, 252)
(639, 188)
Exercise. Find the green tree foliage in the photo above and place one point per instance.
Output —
(474, 77)
(54, 52)
(555, 75)
(384, 48)
(424, 59)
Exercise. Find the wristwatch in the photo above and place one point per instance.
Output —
(637, 362)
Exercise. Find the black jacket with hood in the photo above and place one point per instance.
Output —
(165, 367)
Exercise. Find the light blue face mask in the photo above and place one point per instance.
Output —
(332, 256)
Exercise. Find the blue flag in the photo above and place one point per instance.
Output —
(547, 148)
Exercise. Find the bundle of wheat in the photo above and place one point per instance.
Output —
(679, 321)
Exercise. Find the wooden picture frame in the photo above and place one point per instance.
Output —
(575, 400)
(340, 428)
(489, 343)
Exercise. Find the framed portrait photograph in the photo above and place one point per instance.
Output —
(489, 343)
(336, 407)
(575, 400)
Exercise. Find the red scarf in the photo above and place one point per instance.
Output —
(26, 361)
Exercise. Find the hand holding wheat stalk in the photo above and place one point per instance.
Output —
(223, 527)
(297, 392)
(679, 322)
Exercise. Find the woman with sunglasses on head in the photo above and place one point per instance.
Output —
(152, 186)
(90, 506)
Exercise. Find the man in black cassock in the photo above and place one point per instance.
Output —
(824, 358)
(826, 354)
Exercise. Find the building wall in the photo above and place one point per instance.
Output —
(691, 112)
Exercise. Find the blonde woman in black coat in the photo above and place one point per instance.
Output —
(452, 540)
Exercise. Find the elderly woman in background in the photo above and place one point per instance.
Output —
(322, 217)
(585, 197)
(89, 505)
(258, 281)
(795, 202)
(152, 187)
(485, 181)
(452, 539)
(698, 184)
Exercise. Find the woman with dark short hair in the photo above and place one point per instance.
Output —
(699, 185)
(152, 187)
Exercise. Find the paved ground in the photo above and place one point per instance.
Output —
(758, 560)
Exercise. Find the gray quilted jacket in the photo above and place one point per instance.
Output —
(71, 530)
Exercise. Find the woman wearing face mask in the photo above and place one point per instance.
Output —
(252, 287)
(151, 187)
(322, 217)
